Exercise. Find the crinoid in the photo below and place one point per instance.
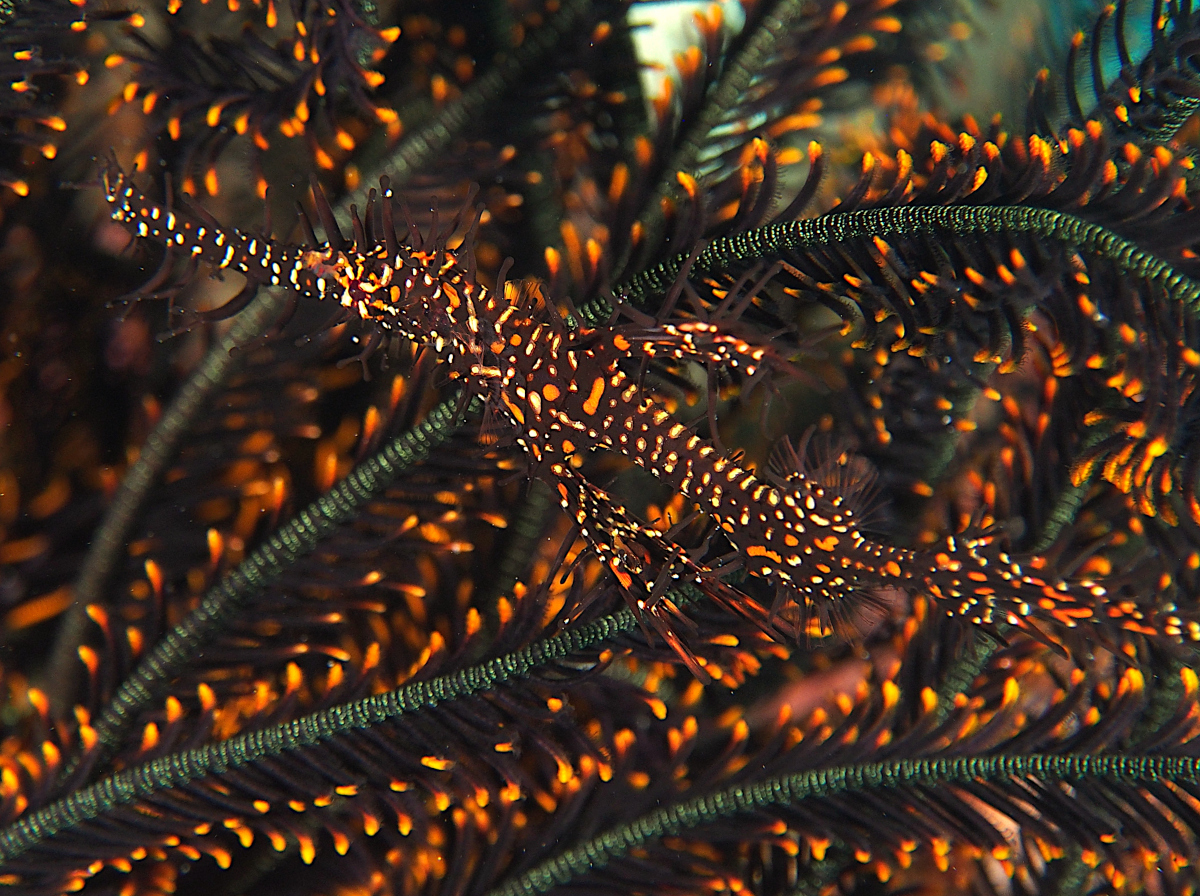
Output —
(690, 508)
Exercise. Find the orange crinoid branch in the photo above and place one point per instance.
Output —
(779, 485)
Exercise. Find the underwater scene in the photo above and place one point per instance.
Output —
(519, 447)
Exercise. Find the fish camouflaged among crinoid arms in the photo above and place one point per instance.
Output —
(557, 392)
(434, 468)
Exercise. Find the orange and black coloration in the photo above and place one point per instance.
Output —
(561, 392)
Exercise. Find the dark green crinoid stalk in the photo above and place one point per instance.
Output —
(288, 605)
